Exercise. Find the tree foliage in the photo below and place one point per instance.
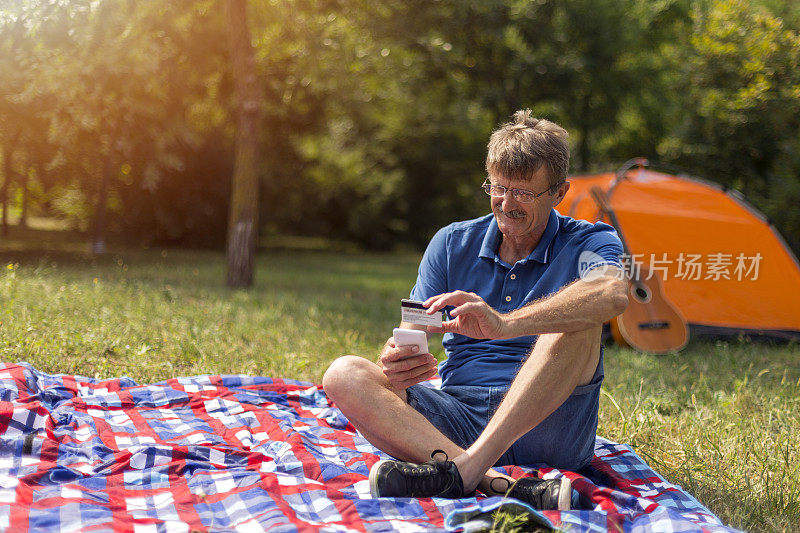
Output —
(376, 114)
(740, 90)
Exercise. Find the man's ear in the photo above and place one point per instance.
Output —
(561, 192)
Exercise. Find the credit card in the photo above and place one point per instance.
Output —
(414, 312)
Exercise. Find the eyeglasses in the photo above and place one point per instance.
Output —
(521, 195)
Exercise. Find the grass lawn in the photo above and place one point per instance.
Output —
(718, 418)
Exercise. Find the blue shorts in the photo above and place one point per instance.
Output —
(563, 440)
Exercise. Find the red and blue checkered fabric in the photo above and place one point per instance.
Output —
(213, 453)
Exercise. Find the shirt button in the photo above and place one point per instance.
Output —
(508, 298)
(513, 276)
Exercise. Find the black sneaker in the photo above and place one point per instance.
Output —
(542, 494)
(409, 480)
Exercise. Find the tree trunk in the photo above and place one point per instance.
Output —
(23, 219)
(6, 182)
(99, 230)
(243, 216)
(585, 129)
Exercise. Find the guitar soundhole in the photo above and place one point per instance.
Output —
(640, 293)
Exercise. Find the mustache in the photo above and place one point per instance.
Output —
(511, 214)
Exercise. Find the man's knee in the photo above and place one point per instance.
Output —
(582, 347)
(346, 376)
(587, 340)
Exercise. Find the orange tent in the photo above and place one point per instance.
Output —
(722, 264)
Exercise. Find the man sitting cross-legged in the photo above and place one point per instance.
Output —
(527, 291)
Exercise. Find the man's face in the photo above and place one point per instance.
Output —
(517, 219)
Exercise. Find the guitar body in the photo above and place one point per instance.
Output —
(651, 323)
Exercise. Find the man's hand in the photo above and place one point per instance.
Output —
(471, 317)
(403, 366)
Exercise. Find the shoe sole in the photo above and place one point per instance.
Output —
(565, 494)
(373, 478)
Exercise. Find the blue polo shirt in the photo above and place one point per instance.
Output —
(463, 256)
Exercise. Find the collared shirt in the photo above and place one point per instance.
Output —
(464, 256)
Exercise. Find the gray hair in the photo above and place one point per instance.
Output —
(518, 149)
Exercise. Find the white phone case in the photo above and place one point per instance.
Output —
(411, 337)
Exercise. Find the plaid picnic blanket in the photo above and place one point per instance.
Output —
(228, 452)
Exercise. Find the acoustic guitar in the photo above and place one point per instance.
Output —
(651, 323)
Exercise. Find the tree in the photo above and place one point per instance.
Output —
(373, 117)
(112, 125)
(14, 84)
(243, 216)
(740, 118)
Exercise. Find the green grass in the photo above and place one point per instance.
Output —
(152, 315)
(719, 419)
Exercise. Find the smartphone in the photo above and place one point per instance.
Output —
(411, 337)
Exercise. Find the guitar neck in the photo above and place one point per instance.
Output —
(612, 217)
(602, 201)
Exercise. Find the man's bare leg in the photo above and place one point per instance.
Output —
(558, 363)
(381, 413)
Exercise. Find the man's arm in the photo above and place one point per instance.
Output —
(578, 306)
